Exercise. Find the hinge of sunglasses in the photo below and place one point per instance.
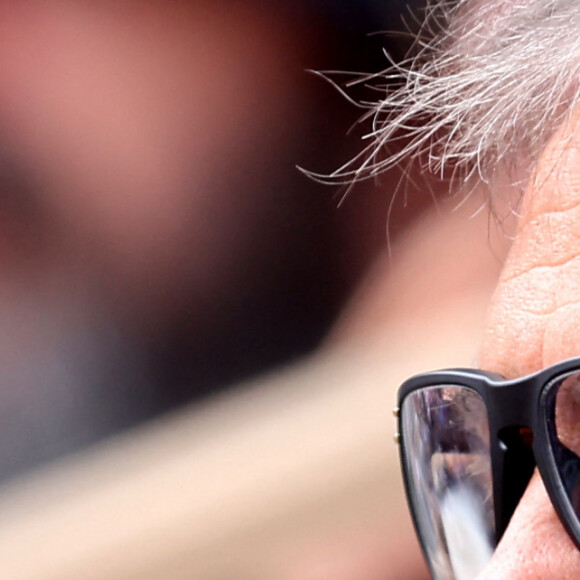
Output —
(397, 436)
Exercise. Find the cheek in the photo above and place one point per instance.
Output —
(535, 545)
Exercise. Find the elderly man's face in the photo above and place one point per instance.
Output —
(534, 321)
(495, 94)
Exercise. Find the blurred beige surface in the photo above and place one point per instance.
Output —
(238, 486)
(281, 479)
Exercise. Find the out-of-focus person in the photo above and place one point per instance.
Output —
(157, 241)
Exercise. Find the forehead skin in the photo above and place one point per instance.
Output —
(534, 318)
(533, 322)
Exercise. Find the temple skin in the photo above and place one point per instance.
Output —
(533, 322)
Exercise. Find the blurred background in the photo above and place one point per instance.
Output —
(199, 347)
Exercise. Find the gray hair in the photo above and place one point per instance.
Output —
(490, 82)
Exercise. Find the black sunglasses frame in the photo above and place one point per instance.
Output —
(512, 405)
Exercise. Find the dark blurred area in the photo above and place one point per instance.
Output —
(157, 242)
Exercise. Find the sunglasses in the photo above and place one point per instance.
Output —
(469, 443)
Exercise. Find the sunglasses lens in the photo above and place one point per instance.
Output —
(564, 432)
(445, 436)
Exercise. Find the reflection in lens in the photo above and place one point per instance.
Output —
(564, 411)
(445, 434)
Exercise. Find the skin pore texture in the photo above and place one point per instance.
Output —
(534, 320)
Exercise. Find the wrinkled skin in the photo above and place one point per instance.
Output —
(533, 322)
